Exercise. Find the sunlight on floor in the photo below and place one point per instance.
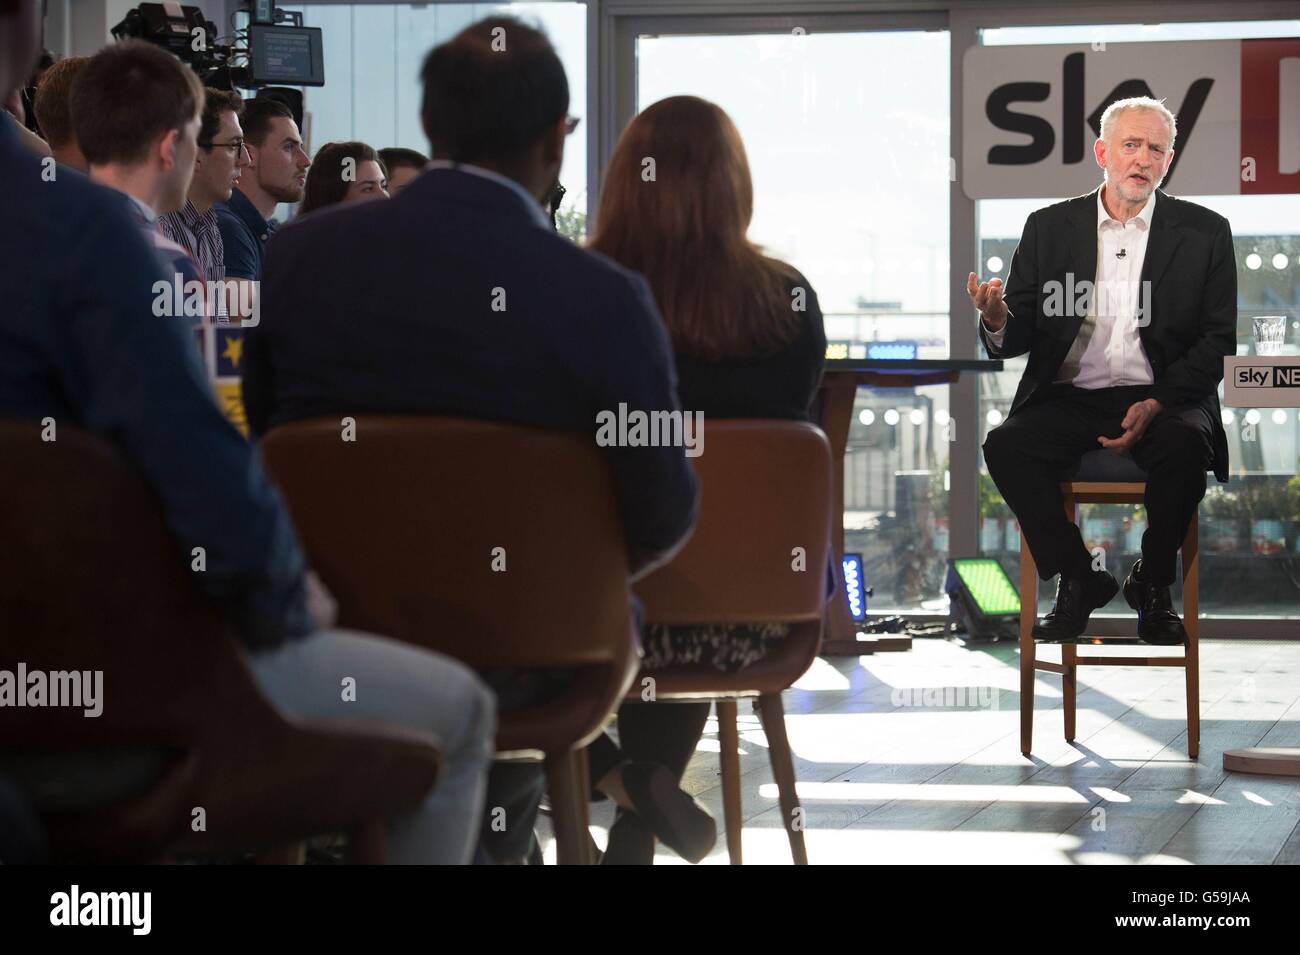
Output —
(923, 792)
(895, 765)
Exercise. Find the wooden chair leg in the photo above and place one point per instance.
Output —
(772, 713)
(295, 853)
(564, 782)
(1069, 686)
(369, 844)
(1069, 653)
(1192, 624)
(729, 746)
(1028, 612)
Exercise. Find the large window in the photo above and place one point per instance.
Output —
(373, 54)
(1250, 527)
(847, 138)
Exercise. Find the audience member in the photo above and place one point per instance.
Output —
(403, 166)
(277, 171)
(53, 108)
(218, 164)
(417, 322)
(135, 114)
(344, 172)
(749, 343)
(82, 346)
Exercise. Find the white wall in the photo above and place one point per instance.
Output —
(81, 27)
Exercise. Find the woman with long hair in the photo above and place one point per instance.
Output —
(747, 333)
(343, 172)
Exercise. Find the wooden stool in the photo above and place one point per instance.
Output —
(1105, 477)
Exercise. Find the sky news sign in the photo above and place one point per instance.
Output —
(1032, 113)
(1261, 381)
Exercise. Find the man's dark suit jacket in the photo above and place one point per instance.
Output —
(388, 307)
(80, 342)
(1193, 323)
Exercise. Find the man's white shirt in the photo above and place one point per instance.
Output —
(1108, 351)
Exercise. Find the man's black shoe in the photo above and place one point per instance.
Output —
(1157, 622)
(1076, 598)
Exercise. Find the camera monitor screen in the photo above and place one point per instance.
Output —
(288, 56)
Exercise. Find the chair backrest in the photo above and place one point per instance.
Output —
(92, 580)
(761, 545)
(496, 544)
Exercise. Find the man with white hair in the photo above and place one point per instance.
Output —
(1125, 300)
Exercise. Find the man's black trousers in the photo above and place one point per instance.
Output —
(1030, 453)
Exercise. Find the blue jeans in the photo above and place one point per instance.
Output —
(401, 685)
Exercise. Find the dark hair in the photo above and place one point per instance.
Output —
(396, 156)
(215, 103)
(53, 104)
(325, 183)
(126, 96)
(258, 114)
(491, 91)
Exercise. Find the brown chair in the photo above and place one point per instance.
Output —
(91, 579)
(765, 491)
(500, 546)
(1105, 477)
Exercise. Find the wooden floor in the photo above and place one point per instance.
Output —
(914, 758)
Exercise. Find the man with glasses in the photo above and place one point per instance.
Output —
(220, 160)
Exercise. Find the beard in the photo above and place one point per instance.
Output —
(290, 192)
(1131, 192)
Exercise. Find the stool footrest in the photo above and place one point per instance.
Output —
(1131, 661)
(1130, 491)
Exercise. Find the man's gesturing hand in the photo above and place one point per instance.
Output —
(1134, 424)
(987, 297)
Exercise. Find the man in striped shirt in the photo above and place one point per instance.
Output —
(220, 159)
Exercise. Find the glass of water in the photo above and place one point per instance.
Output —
(1270, 333)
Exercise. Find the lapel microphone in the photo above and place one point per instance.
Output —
(1121, 253)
